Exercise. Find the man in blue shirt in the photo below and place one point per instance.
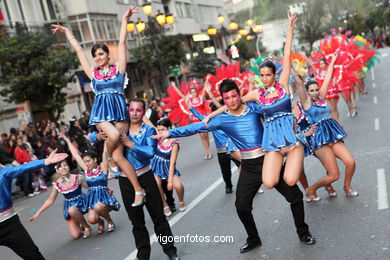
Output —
(139, 150)
(241, 122)
(12, 232)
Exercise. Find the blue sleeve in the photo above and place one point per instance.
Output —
(192, 129)
(255, 107)
(14, 172)
(93, 138)
(149, 149)
(197, 114)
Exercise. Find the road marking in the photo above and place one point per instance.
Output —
(372, 74)
(178, 216)
(385, 54)
(373, 85)
(382, 189)
(375, 100)
(376, 123)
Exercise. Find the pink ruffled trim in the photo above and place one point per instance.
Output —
(112, 74)
(196, 104)
(89, 173)
(268, 101)
(319, 102)
(61, 189)
(169, 147)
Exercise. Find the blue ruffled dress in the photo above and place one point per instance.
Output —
(98, 190)
(279, 121)
(109, 104)
(328, 130)
(161, 160)
(304, 125)
(73, 196)
(231, 147)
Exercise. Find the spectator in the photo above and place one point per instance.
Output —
(84, 121)
(22, 157)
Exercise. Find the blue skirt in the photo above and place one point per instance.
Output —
(328, 132)
(109, 107)
(279, 133)
(306, 142)
(100, 194)
(79, 202)
(160, 167)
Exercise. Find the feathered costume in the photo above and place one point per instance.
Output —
(179, 111)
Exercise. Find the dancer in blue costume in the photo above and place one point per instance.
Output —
(12, 232)
(164, 166)
(109, 110)
(99, 200)
(279, 137)
(327, 142)
(75, 203)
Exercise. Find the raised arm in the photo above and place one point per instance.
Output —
(52, 198)
(310, 64)
(88, 69)
(305, 101)
(74, 153)
(329, 74)
(122, 59)
(172, 165)
(285, 76)
(173, 85)
(207, 89)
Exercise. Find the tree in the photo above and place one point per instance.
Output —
(34, 69)
(247, 48)
(203, 64)
(310, 22)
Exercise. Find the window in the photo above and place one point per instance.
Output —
(89, 28)
(51, 10)
(183, 9)
(208, 14)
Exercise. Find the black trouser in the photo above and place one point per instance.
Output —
(136, 215)
(15, 236)
(168, 193)
(249, 183)
(224, 163)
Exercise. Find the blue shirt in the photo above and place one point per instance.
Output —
(220, 138)
(144, 147)
(6, 176)
(245, 130)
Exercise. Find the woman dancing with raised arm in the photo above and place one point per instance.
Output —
(109, 110)
(327, 142)
(197, 101)
(75, 203)
(99, 200)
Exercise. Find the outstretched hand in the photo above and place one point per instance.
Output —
(33, 218)
(161, 135)
(292, 19)
(55, 157)
(132, 10)
(58, 27)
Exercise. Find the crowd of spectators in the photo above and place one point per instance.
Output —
(37, 141)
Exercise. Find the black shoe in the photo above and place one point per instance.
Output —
(249, 246)
(173, 257)
(307, 238)
(173, 208)
(229, 190)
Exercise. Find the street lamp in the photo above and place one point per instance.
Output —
(258, 28)
(221, 19)
(130, 26)
(212, 31)
(233, 26)
(243, 32)
(160, 17)
(147, 8)
(141, 26)
(249, 22)
(170, 19)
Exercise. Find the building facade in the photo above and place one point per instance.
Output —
(93, 21)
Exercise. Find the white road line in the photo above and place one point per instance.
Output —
(178, 216)
(375, 100)
(376, 122)
(373, 85)
(372, 74)
(385, 54)
(382, 189)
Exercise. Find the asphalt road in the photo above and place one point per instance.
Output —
(345, 228)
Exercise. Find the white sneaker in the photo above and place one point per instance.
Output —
(30, 195)
(36, 193)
